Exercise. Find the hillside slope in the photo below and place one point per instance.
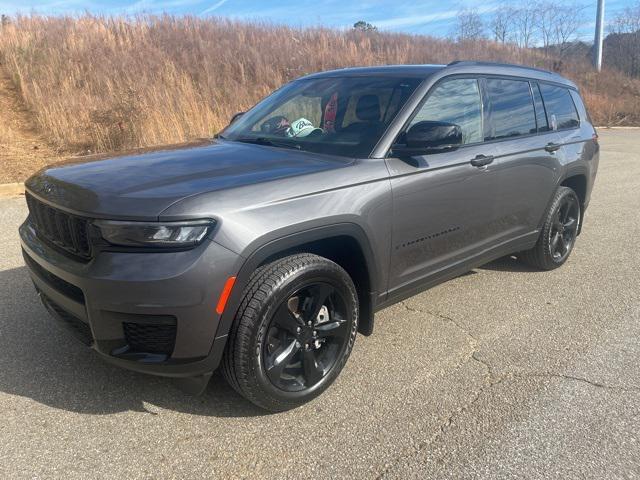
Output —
(22, 149)
(101, 84)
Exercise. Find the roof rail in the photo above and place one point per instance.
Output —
(497, 64)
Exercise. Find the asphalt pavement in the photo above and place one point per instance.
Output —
(504, 372)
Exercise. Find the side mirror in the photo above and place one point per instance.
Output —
(235, 117)
(429, 137)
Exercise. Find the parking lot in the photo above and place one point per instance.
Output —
(503, 372)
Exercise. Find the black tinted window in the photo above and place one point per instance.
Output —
(455, 101)
(560, 108)
(510, 109)
(541, 115)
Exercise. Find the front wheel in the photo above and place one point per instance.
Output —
(293, 332)
(559, 232)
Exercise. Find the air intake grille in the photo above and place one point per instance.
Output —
(77, 327)
(57, 283)
(65, 231)
(150, 338)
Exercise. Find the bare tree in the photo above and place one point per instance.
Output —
(501, 24)
(557, 25)
(524, 21)
(628, 21)
(568, 20)
(545, 23)
(469, 26)
(622, 45)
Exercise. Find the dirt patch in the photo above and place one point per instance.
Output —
(22, 150)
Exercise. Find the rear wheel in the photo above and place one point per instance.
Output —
(293, 332)
(559, 232)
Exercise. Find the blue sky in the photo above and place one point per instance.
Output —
(410, 16)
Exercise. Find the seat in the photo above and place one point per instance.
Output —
(368, 115)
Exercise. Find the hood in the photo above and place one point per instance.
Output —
(141, 186)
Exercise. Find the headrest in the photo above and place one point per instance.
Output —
(368, 108)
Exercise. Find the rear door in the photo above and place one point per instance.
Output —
(564, 120)
(526, 164)
(443, 206)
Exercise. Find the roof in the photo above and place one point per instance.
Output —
(423, 71)
(419, 71)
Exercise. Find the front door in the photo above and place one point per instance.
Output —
(443, 206)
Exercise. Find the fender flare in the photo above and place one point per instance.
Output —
(290, 242)
(572, 172)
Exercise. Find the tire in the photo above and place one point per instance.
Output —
(275, 357)
(559, 232)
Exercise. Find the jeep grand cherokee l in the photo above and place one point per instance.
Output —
(265, 250)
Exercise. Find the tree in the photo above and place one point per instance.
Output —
(469, 26)
(568, 18)
(524, 19)
(622, 45)
(363, 26)
(501, 24)
(4, 20)
(628, 21)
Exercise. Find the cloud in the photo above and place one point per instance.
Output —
(413, 20)
(214, 7)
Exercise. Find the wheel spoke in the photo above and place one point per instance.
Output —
(281, 359)
(554, 243)
(313, 372)
(571, 224)
(318, 295)
(563, 244)
(286, 319)
(332, 329)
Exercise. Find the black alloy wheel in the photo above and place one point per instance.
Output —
(293, 332)
(564, 229)
(305, 338)
(560, 228)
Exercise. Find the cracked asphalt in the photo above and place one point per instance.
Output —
(504, 372)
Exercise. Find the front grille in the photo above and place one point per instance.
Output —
(74, 325)
(150, 338)
(65, 231)
(54, 281)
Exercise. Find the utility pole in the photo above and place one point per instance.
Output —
(597, 60)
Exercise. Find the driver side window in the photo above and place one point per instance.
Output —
(455, 101)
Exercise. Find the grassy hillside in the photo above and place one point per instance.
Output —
(103, 84)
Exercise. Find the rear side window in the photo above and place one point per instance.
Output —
(561, 110)
(541, 114)
(582, 110)
(455, 101)
(511, 112)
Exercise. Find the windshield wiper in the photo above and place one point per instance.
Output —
(269, 142)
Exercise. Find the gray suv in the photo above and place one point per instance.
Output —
(266, 250)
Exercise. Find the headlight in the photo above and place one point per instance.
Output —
(155, 234)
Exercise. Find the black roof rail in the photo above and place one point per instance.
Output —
(498, 64)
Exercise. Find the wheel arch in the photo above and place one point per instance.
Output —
(344, 243)
(577, 181)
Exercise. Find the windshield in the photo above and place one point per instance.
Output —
(343, 116)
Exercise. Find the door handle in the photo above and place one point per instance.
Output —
(481, 160)
(552, 147)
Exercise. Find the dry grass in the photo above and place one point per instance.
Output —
(103, 84)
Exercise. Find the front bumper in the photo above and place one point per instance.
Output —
(116, 293)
